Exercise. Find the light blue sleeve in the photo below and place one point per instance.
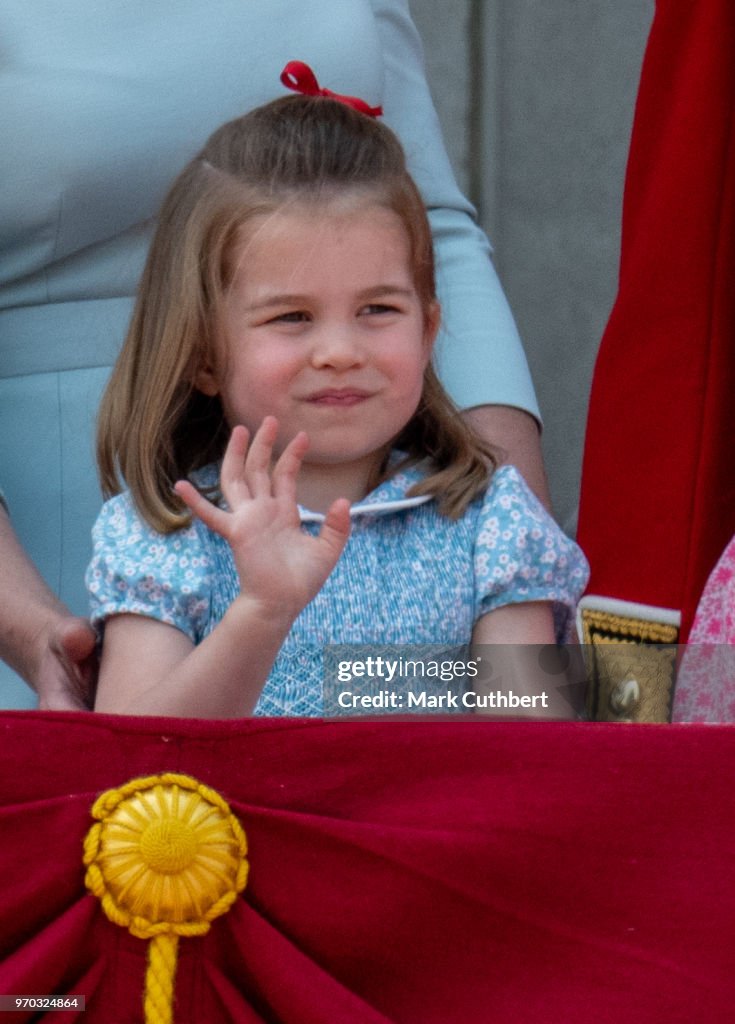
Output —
(521, 554)
(479, 353)
(136, 570)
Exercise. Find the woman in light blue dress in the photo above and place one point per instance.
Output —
(102, 104)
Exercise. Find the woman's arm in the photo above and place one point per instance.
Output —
(516, 435)
(479, 352)
(49, 647)
(517, 632)
(149, 667)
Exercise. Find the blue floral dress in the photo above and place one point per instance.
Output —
(408, 576)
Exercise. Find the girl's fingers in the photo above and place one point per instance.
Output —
(335, 530)
(287, 468)
(233, 464)
(203, 509)
(258, 460)
(246, 471)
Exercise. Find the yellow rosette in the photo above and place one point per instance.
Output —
(165, 858)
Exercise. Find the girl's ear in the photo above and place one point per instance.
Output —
(432, 320)
(206, 380)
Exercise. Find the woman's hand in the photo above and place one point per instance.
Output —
(53, 650)
(67, 666)
(280, 566)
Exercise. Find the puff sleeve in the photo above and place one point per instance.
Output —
(136, 570)
(521, 554)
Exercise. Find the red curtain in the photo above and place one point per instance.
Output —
(658, 488)
(433, 872)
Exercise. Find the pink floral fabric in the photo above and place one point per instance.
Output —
(705, 688)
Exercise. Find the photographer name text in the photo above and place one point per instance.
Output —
(391, 700)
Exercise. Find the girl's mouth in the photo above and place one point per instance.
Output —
(338, 396)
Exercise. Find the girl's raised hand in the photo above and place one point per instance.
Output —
(279, 565)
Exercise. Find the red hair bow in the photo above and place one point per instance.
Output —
(299, 77)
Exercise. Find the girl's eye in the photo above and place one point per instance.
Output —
(377, 308)
(295, 316)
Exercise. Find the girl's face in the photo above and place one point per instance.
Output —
(324, 329)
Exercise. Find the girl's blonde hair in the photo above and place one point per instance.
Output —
(155, 427)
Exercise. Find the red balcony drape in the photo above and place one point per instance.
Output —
(431, 872)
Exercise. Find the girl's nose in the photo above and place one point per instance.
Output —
(337, 348)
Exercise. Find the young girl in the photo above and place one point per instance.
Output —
(288, 303)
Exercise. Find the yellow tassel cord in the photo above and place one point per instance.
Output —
(165, 858)
(159, 979)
